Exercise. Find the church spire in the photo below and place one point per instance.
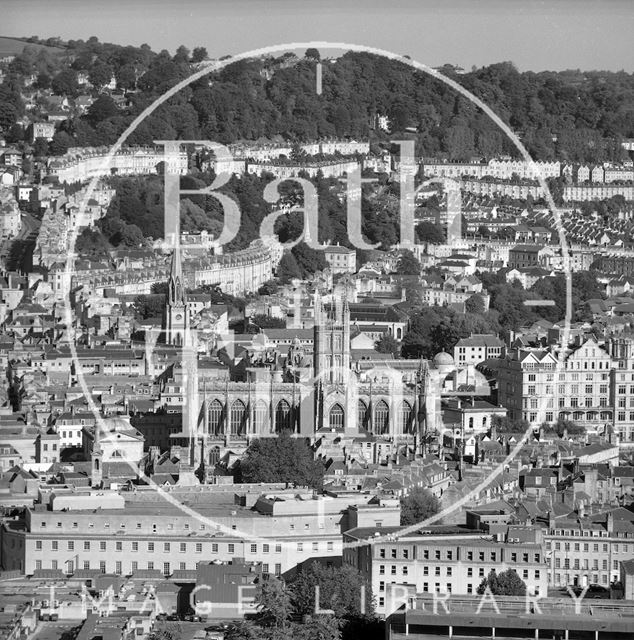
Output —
(176, 291)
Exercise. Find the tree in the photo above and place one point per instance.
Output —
(65, 83)
(101, 109)
(273, 601)
(40, 148)
(181, 55)
(100, 75)
(505, 426)
(281, 459)
(418, 505)
(507, 583)
(430, 232)
(199, 54)
(149, 306)
(474, 304)
(309, 260)
(288, 269)
(267, 322)
(407, 264)
(43, 81)
(387, 344)
(60, 143)
(312, 54)
(340, 589)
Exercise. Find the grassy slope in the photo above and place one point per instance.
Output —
(13, 46)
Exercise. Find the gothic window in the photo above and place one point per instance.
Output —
(261, 416)
(381, 418)
(215, 417)
(362, 415)
(237, 417)
(406, 418)
(282, 416)
(336, 417)
(214, 455)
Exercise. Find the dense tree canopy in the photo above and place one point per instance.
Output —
(507, 583)
(281, 459)
(418, 505)
(570, 115)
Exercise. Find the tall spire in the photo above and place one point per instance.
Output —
(175, 288)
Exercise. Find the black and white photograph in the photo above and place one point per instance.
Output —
(316, 320)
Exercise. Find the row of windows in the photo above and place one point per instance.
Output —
(438, 589)
(170, 526)
(616, 548)
(182, 546)
(567, 579)
(70, 567)
(577, 564)
(448, 554)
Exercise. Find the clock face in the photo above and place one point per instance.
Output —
(179, 316)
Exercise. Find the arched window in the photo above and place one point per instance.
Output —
(362, 415)
(381, 418)
(406, 418)
(237, 417)
(214, 455)
(336, 417)
(282, 416)
(261, 416)
(215, 418)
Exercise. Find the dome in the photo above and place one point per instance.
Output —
(443, 359)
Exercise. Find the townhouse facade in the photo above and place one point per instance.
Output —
(124, 533)
(443, 560)
(586, 383)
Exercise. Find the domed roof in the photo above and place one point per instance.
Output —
(443, 359)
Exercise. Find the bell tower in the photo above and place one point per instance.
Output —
(176, 318)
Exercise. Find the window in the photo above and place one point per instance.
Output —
(166, 547)
(199, 547)
(231, 548)
(86, 545)
(119, 545)
(330, 546)
(393, 569)
(135, 546)
(102, 566)
(183, 547)
(38, 545)
(166, 568)
(118, 567)
(278, 569)
(381, 569)
(54, 545)
(150, 546)
(381, 422)
(214, 547)
(300, 546)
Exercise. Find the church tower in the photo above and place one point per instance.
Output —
(335, 407)
(176, 320)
